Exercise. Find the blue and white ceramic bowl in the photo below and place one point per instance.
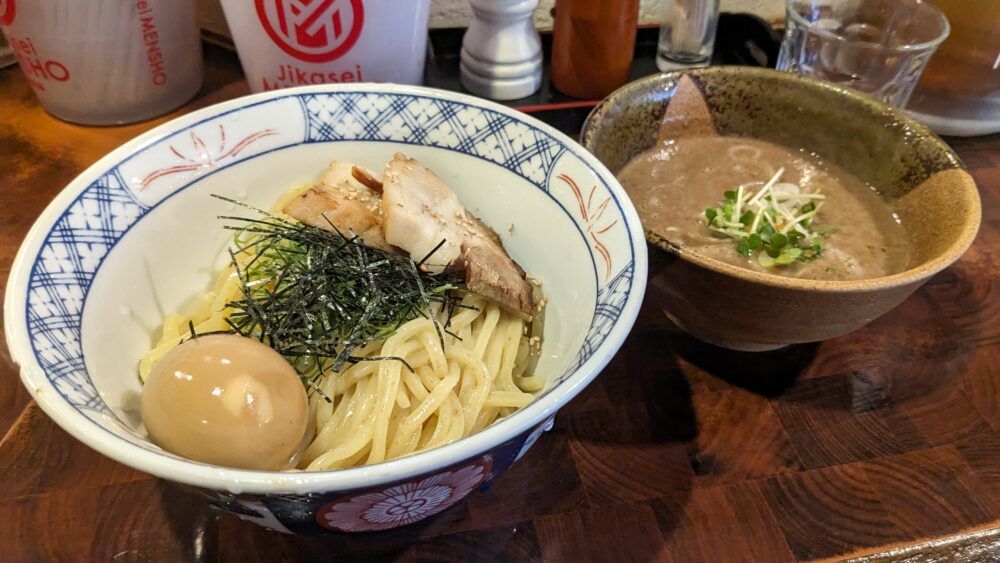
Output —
(136, 236)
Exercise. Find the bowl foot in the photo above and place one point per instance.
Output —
(741, 346)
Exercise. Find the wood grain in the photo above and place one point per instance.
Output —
(136, 521)
(617, 532)
(930, 491)
(620, 457)
(829, 424)
(43, 459)
(982, 454)
(545, 481)
(883, 444)
(827, 511)
(740, 438)
(726, 523)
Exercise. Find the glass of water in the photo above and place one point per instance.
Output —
(879, 47)
(687, 33)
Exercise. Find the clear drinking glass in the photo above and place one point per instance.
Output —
(879, 47)
(959, 91)
(687, 33)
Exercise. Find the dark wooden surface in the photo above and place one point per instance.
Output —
(867, 445)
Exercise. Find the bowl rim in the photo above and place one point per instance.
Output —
(924, 270)
(170, 467)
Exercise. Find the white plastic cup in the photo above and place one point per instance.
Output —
(106, 62)
(285, 43)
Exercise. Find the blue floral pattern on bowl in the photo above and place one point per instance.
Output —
(85, 229)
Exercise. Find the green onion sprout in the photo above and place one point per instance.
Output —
(773, 225)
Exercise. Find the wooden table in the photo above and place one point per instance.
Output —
(875, 441)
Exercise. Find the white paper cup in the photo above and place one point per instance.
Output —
(285, 43)
(105, 62)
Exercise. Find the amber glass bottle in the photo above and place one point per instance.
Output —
(592, 46)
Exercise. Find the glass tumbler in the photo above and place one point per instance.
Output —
(687, 33)
(959, 92)
(879, 47)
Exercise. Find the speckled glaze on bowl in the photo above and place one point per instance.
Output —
(916, 174)
(135, 236)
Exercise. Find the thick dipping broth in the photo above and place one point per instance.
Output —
(674, 183)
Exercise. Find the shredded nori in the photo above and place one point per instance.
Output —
(316, 295)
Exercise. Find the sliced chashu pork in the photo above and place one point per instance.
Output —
(340, 202)
(419, 212)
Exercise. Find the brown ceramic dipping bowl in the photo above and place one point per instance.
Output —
(920, 178)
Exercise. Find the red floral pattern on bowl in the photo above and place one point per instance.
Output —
(404, 503)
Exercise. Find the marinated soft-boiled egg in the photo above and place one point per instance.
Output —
(226, 400)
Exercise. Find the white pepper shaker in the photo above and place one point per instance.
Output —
(501, 51)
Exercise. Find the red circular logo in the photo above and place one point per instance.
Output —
(314, 31)
(7, 12)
